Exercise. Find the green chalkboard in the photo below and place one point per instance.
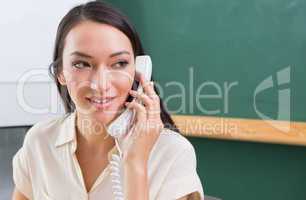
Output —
(218, 42)
(233, 41)
(235, 170)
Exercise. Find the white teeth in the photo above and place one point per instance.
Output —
(101, 101)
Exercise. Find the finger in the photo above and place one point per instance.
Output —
(155, 127)
(146, 84)
(158, 127)
(141, 113)
(149, 91)
(153, 108)
(148, 102)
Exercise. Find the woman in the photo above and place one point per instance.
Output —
(68, 157)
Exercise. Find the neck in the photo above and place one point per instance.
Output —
(93, 134)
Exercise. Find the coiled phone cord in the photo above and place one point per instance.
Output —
(115, 164)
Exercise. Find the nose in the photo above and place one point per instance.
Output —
(100, 80)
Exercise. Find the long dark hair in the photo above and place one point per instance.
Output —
(100, 12)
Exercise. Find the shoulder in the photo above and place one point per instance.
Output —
(173, 141)
(44, 131)
(180, 139)
(173, 167)
(172, 146)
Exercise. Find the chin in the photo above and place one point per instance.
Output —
(101, 117)
(106, 116)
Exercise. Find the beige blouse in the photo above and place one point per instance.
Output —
(46, 168)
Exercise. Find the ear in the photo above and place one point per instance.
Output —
(61, 79)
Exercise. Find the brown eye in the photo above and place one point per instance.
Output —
(80, 64)
(120, 64)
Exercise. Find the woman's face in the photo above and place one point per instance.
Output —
(98, 64)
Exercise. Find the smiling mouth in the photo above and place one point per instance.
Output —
(100, 103)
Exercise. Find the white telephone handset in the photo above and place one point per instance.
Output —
(120, 127)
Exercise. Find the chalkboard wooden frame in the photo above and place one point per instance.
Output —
(278, 132)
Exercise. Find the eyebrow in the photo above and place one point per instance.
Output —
(78, 53)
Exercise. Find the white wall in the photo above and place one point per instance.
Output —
(27, 37)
